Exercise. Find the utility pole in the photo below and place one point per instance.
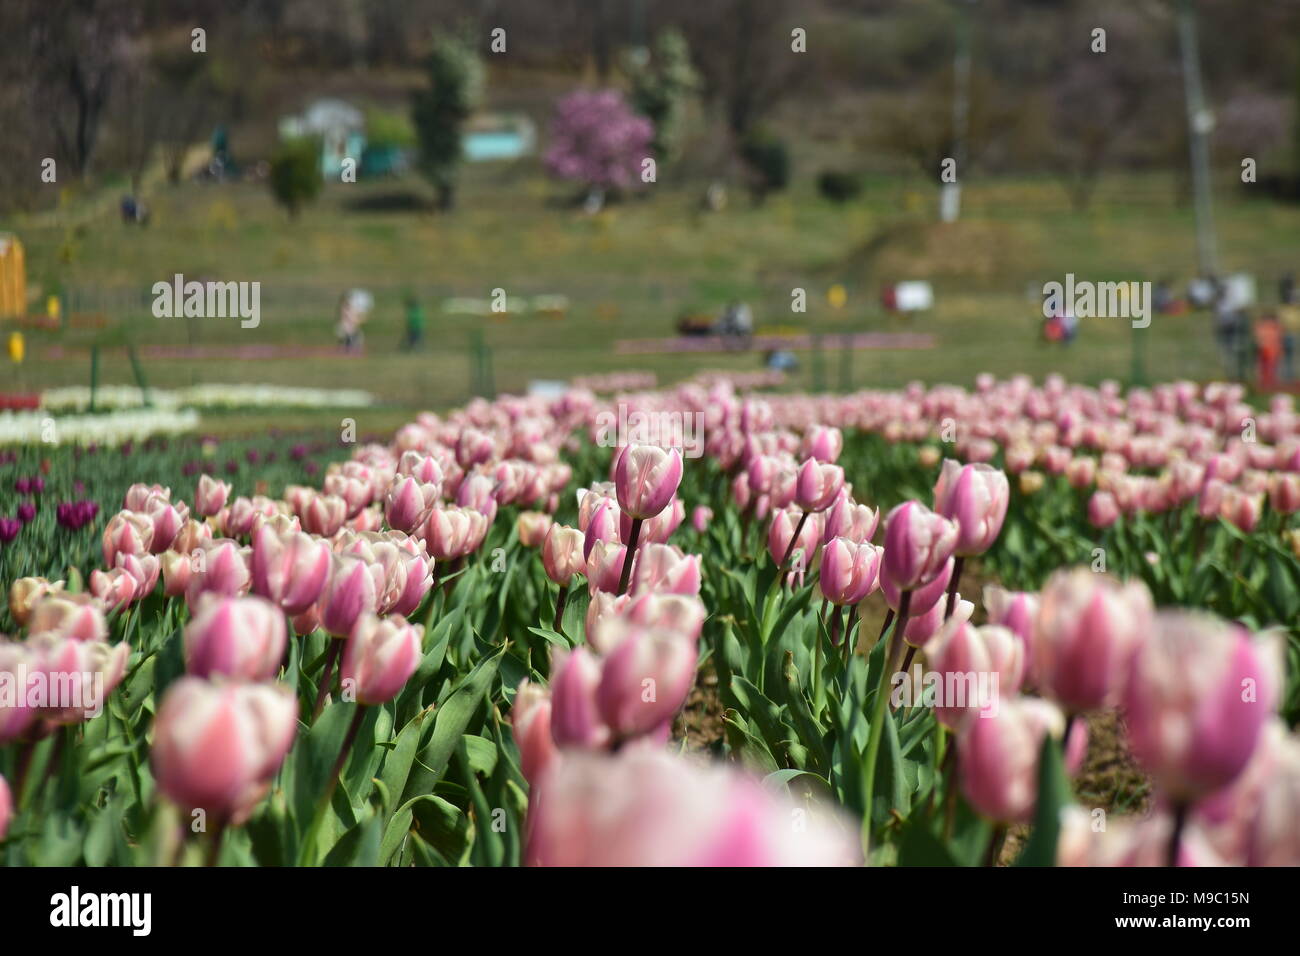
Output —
(950, 196)
(1200, 121)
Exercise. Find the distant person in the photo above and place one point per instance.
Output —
(1228, 326)
(1268, 350)
(781, 360)
(414, 323)
(737, 323)
(354, 305)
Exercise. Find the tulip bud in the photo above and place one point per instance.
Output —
(701, 516)
(242, 638)
(1103, 511)
(351, 591)
(530, 722)
(84, 672)
(78, 617)
(25, 593)
(663, 568)
(999, 754)
(849, 571)
(408, 503)
(562, 554)
(1200, 692)
(217, 745)
(781, 531)
(817, 485)
(918, 543)
(223, 569)
(604, 566)
(645, 680)
(115, 588)
(379, 658)
(575, 719)
(324, 515)
(983, 665)
(210, 496)
(975, 497)
(1088, 627)
(848, 519)
(533, 527)
(923, 598)
(127, 533)
(289, 569)
(1014, 610)
(6, 808)
(823, 444)
(15, 716)
(646, 478)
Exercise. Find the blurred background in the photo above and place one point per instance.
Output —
(443, 199)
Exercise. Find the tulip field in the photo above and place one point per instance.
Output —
(882, 628)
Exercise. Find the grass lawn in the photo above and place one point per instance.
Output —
(628, 273)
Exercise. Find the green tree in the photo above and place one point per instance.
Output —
(661, 90)
(439, 112)
(295, 173)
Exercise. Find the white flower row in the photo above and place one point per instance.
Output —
(77, 397)
(111, 428)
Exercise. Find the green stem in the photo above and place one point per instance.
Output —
(878, 718)
(628, 555)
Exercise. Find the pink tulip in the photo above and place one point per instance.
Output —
(176, 567)
(222, 569)
(83, 672)
(1273, 835)
(663, 568)
(701, 516)
(645, 680)
(822, 443)
(242, 638)
(1016, 611)
(289, 569)
(680, 613)
(530, 723)
(78, 617)
(918, 543)
(985, 665)
(351, 590)
(562, 554)
(450, 532)
(1284, 492)
(533, 527)
(781, 531)
(602, 525)
(210, 496)
(848, 519)
(998, 757)
(408, 503)
(575, 717)
(116, 588)
(1088, 627)
(127, 533)
(473, 448)
(1200, 692)
(646, 807)
(217, 745)
(818, 485)
(1241, 509)
(6, 808)
(476, 493)
(604, 566)
(656, 530)
(923, 627)
(324, 515)
(923, 598)
(975, 497)
(26, 593)
(15, 716)
(192, 535)
(1103, 511)
(379, 658)
(849, 571)
(419, 581)
(646, 478)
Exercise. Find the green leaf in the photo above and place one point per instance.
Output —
(450, 722)
(1053, 797)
